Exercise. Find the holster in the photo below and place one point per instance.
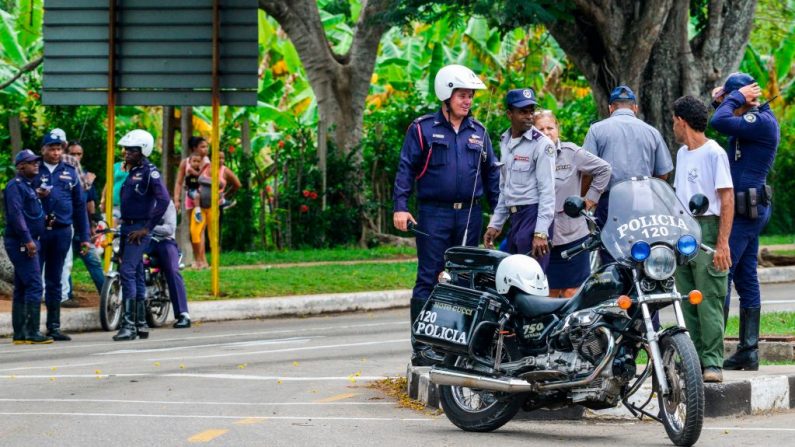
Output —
(745, 202)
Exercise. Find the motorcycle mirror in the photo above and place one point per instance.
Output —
(699, 204)
(573, 206)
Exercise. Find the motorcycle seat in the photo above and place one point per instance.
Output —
(532, 306)
(473, 258)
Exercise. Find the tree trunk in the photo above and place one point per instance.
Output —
(645, 45)
(183, 229)
(15, 131)
(6, 272)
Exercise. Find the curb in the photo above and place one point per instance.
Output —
(771, 351)
(773, 275)
(81, 320)
(756, 395)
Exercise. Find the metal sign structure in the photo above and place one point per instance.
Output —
(152, 53)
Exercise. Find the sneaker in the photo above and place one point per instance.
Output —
(70, 303)
(713, 374)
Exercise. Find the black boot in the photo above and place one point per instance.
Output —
(140, 319)
(32, 323)
(54, 322)
(183, 322)
(127, 331)
(422, 354)
(747, 355)
(725, 316)
(18, 322)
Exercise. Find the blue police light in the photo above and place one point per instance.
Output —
(640, 251)
(687, 245)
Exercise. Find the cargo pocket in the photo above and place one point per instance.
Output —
(718, 282)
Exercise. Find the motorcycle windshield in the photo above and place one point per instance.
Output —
(645, 209)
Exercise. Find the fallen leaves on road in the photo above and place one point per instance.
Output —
(396, 388)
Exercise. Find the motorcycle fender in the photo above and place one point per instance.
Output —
(671, 331)
(111, 274)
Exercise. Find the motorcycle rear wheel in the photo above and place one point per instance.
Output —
(477, 410)
(158, 306)
(682, 411)
(110, 308)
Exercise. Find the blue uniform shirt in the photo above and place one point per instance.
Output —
(448, 174)
(66, 200)
(753, 140)
(24, 212)
(143, 195)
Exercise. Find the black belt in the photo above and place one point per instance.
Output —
(133, 221)
(452, 205)
(58, 226)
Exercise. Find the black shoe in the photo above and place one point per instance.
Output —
(32, 323)
(182, 323)
(127, 331)
(747, 356)
(71, 303)
(140, 319)
(57, 335)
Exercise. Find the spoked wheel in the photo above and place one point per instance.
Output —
(158, 306)
(682, 410)
(477, 410)
(110, 306)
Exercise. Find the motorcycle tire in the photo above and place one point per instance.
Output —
(500, 408)
(158, 307)
(110, 304)
(682, 411)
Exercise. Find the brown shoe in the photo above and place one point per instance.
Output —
(713, 374)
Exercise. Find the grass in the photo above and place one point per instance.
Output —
(290, 281)
(784, 252)
(316, 255)
(772, 323)
(777, 239)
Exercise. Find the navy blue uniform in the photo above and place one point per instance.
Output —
(144, 200)
(64, 208)
(444, 165)
(753, 141)
(24, 223)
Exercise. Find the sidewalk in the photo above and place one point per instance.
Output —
(742, 392)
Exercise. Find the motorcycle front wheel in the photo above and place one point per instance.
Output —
(476, 410)
(158, 306)
(110, 308)
(682, 410)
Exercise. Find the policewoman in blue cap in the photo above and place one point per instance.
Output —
(527, 182)
(61, 192)
(753, 140)
(448, 156)
(144, 201)
(24, 228)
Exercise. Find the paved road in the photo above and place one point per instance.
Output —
(272, 382)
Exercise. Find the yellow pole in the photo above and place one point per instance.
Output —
(111, 143)
(215, 159)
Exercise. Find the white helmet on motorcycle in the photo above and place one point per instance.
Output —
(522, 272)
(139, 138)
(451, 77)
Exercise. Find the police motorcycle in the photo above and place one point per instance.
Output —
(158, 303)
(507, 346)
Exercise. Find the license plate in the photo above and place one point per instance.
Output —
(443, 321)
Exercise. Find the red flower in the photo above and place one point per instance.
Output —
(313, 195)
(304, 208)
(231, 149)
(281, 144)
(306, 193)
(268, 189)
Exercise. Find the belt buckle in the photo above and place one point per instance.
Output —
(514, 210)
(458, 205)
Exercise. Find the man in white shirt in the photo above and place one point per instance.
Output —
(702, 166)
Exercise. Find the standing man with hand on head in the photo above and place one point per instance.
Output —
(527, 182)
(61, 193)
(703, 168)
(753, 141)
(24, 227)
(449, 156)
(144, 200)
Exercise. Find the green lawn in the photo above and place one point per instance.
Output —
(267, 282)
(777, 239)
(315, 255)
(772, 323)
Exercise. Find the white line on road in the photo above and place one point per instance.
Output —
(273, 351)
(748, 429)
(211, 345)
(168, 417)
(167, 402)
(351, 378)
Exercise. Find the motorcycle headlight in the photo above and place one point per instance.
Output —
(661, 263)
(687, 245)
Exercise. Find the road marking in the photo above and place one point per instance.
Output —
(248, 421)
(336, 398)
(749, 429)
(778, 301)
(198, 376)
(274, 351)
(207, 435)
(211, 345)
(168, 417)
(194, 403)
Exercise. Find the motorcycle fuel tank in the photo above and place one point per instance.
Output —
(609, 281)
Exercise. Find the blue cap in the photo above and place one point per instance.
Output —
(520, 98)
(735, 81)
(52, 138)
(25, 156)
(622, 92)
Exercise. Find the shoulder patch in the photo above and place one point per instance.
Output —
(155, 175)
(750, 118)
(550, 150)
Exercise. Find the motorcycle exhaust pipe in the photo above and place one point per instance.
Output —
(468, 380)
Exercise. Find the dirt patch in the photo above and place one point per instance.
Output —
(396, 388)
(86, 299)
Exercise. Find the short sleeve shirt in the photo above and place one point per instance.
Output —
(703, 170)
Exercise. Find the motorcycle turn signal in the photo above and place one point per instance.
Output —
(624, 302)
(695, 297)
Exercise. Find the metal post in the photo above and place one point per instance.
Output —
(216, 155)
(111, 140)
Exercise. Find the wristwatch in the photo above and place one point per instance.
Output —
(540, 235)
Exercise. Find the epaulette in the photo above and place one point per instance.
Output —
(474, 121)
(423, 118)
(569, 145)
(535, 134)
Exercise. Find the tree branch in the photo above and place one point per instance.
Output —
(30, 66)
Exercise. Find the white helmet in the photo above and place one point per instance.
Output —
(451, 77)
(139, 138)
(61, 134)
(522, 272)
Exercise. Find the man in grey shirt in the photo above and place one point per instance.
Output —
(632, 147)
(164, 247)
(527, 183)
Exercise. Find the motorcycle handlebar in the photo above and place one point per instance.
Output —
(574, 251)
(707, 249)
